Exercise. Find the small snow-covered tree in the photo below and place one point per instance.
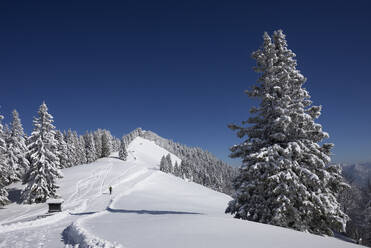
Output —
(123, 153)
(163, 164)
(43, 172)
(285, 178)
(166, 164)
(17, 149)
(3, 168)
(169, 163)
(177, 172)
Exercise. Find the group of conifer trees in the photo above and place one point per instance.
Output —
(36, 160)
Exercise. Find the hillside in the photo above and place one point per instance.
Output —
(148, 208)
(199, 165)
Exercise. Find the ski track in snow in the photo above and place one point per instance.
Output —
(77, 234)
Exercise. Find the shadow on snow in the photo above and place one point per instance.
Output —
(152, 212)
(83, 213)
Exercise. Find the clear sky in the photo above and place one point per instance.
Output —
(179, 68)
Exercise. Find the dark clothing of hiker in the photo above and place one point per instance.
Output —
(110, 190)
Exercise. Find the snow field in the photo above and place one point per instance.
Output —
(147, 208)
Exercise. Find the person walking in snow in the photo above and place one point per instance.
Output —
(110, 190)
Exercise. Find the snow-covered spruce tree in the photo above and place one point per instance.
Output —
(4, 172)
(62, 150)
(76, 144)
(17, 149)
(168, 158)
(97, 134)
(71, 149)
(106, 144)
(82, 152)
(91, 155)
(164, 165)
(285, 178)
(123, 153)
(177, 170)
(43, 171)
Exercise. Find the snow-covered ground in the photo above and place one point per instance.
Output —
(147, 209)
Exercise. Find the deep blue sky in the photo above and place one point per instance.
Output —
(179, 68)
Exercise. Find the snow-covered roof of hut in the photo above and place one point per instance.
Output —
(55, 201)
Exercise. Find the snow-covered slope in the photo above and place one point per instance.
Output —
(147, 209)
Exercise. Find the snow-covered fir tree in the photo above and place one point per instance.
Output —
(62, 150)
(91, 154)
(123, 153)
(76, 145)
(71, 148)
(285, 178)
(17, 149)
(43, 172)
(177, 171)
(116, 144)
(106, 144)
(4, 178)
(169, 162)
(98, 142)
(81, 150)
(164, 165)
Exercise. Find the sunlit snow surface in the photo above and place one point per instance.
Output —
(147, 209)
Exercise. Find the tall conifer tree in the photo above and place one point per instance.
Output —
(4, 178)
(62, 150)
(44, 171)
(91, 154)
(16, 148)
(106, 144)
(123, 153)
(285, 178)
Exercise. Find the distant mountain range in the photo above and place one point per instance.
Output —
(358, 174)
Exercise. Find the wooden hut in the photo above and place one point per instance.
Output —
(55, 205)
